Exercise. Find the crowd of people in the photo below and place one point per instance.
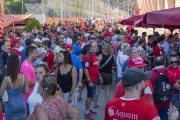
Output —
(43, 73)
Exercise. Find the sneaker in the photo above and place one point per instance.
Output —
(88, 116)
(92, 112)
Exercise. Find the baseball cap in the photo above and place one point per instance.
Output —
(15, 41)
(37, 40)
(133, 76)
(69, 47)
(65, 35)
(40, 51)
(136, 61)
(107, 34)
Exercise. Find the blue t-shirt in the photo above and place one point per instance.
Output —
(125, 64)
(24, 42)
(90, 22)
(76, 49)
(37, 61)
(77, 63)
(23, 54)
(52, 47)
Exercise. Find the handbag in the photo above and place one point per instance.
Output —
(105, 62)
(5, 96)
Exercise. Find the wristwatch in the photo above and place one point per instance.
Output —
(88, 80)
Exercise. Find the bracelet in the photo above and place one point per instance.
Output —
(70, 94)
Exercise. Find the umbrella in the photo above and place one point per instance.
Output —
(167, 18)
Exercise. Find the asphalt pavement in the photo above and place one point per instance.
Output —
(80, 106)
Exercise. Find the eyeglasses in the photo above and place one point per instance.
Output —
(62, 50)
(93, 38)
(172, 62)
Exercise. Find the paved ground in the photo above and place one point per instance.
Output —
(80, 106)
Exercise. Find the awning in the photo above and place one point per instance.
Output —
(16, 18)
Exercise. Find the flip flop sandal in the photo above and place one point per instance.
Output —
(96, 106)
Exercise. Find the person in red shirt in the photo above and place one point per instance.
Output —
(136, 61)
(49, 58)
(130, 106)
(160, 62)
(11, 37)
(151, 43)
(159, 51)
(173, 67)
(129, 35)
(16, 45)
(131, 41)
(91, 70)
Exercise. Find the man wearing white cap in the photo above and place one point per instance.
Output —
(37, 42)
(41, 56)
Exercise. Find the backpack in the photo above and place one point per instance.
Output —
(162, 88)
(2, 67)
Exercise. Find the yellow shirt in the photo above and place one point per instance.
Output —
(35, 46)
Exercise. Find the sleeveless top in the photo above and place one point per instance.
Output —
(34, 98)
(55, 109)
(108, 67)
(15, 107)
(64, 81)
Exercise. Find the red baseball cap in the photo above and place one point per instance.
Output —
(107, 34)
(15, 41)
(136, 61)
(69, 47)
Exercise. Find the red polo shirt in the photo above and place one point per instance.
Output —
(176, 73)
(131, 42)
(130, 109)
(91, 63)
(159, 51)
(147, 97)
(172, 80)
(49, 58)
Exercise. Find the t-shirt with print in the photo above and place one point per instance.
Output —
(49, 58)
(28, 70)
(91, 63)
(130, 109)
(176, 73)
(158, 51)
(147, 97)
(172, 79)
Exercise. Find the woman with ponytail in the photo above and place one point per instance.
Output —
(66, 76)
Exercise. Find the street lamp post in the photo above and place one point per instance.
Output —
(92, 9)
(61, 12)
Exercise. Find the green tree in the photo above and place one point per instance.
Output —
(15, 7)
(30, 25)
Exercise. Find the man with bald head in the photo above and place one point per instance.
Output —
(133, 51)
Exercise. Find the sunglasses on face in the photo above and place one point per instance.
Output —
(93, 38)
(172, 62)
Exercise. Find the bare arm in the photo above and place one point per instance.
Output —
(56, 59)
(26, 87)
(151, 52)
(80, 75)
(3, 87)
(47, 63)
(81, 56)
(86, 73)
(41, 114)
(143, 56)
(99, 59)
(72, 113)
(31, 83)
(74, 80)
(176, 85)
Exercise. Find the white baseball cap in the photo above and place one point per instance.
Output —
(37, 40)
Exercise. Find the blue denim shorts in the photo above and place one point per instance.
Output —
(91, 90)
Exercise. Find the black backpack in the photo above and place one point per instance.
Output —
(2, 67)
(162, 88)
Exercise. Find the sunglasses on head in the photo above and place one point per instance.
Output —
(172, 62)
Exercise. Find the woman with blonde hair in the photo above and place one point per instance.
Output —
(105, 61)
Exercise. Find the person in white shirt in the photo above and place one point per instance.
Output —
(67, 40)
(167, 45)
(34, 31)
(121, 58)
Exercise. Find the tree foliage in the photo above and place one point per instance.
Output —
(30, 25)
(15, 7)
(51, 13)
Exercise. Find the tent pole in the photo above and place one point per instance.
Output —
(154, 32)
(13, 29)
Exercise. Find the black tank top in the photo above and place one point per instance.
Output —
(64, 81)
(108, 67)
